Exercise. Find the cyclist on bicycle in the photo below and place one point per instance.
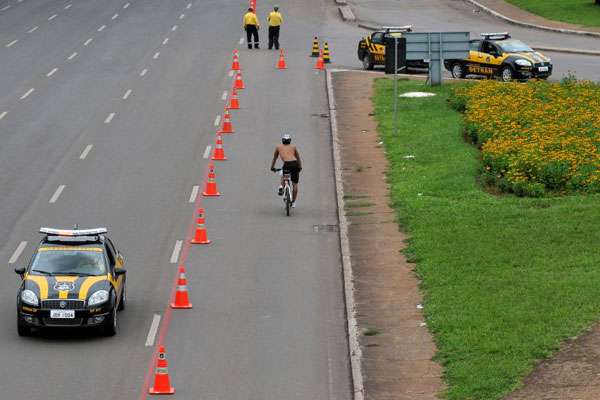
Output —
(292, 164)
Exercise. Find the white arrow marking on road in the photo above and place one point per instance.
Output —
(35, 28)
(217, 120)
(17, 253)
(126, 5)
(176, 250)
(224, 96)
(126, 95)
(207, 152)
(49, 74)
(3, 114)
(72, 56)
(109, 118)
(88, 41)
(241, 40)
(194, 194)
(156, 55)
(27, 93)
(12, 43)
(101, 28)
(144, 71)
(153, 330)
(86, 151)
(52, 17)
(56, 194)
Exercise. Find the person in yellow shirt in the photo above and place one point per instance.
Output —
(275, 20)
(251, 26)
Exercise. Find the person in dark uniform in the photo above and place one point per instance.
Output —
(275, 19)
(251, 26)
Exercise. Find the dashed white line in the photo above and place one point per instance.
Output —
(12, 43)
(241, 40)
(217, 120)
(56, 194)
(49, 74)
(127, 94)
(27, 93)
(109, 118)
(194, 194)
(35, 28)
(15, 256)
(88, 41)
(165, 41)
(153, 330)
(126, 5)
(86, 151)
(174, 28)
(101, 28)
(207, 152)
(50, 18)
(224, 96)
(156, 55)
(230, 74)
(5, 8)
(68, 6)
(182, 16)
(176, 250)
(72, 56)
(115, 16)
(3, 114)
(144, 72)
(189, 6)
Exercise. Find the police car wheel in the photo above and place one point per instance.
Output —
(22, 329)
(507, 74)
(366, 61)
(458, 71)
(110, 327)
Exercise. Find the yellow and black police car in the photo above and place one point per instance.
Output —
(497, 55)
(75, 278)
(371, 49)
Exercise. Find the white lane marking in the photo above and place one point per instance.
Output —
(207, 152)
(56, 194)
(189, 6)
(12, 43)
(217, 120)
(27, 93)
(72, 56)
(68, 6)
(165, 41)
(86, 151)
(144, 72)
(153, 330)
(115, 16)
(88, 41)
(176, 250)
(5, 8)
(49, 74)
(156, 55)
(224, 96)
(182, 16)
(194, 194)
(241, 40)
(174, 28)
(230, 74)
(3, 114)
(109, 118)
(101, 28)
(126, 5)
(35, 28)
(15, 256)
(126, 95)
(50, 18)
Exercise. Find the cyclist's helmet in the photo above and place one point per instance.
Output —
(286, 139)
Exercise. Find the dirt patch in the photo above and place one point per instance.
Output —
(572, 374)
(397, 347)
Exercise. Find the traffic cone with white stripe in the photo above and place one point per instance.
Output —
(234, 102)
(281, 64)
(210, 189)
(219, 152)
(162, 384)
(239, 83)
(227, 126)
(235, 65)
(181, 293)
(200, 237)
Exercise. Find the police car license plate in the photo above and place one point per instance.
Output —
(543, 69)
(62, 314)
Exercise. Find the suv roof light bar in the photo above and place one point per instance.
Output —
(495, 35)
(73, 232)
(405, 28)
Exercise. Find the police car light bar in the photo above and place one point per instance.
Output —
(405, 28)
(73, 232)
(495, 35)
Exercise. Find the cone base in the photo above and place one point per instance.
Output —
(211, 194)
(173, 305)
(233, 108)
(219, 159)
(199, 241)
(153, 391)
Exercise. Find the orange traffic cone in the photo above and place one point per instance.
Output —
(210, 188)
(234, 102)
(181, 294)
(200, 237)
(239, 83)
(162, 384)
(219, 153)
(281, 64)
(235, 65)
(320, 65)
(227, 127)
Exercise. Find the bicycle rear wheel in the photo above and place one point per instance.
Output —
(288, 201)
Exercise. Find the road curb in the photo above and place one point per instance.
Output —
(530, 25)
(355, 352)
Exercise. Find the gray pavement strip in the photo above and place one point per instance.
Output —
(346, 13)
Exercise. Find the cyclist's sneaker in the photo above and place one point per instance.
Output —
(294, 204)
(280, 191)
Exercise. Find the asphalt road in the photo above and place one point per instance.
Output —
(106, 109)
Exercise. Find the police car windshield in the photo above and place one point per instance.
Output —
(514, 46)
(69, 261)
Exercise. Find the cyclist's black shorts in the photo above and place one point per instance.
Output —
(292, 168)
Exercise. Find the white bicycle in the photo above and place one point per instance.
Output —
(287, 190)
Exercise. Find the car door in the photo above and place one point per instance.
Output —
(491, 58)
(378, 48)
(115, 261)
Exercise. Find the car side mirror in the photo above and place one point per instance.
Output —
(120, 271)
(20, 271)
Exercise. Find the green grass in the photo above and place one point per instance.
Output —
(580, 12)
(505, 279)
